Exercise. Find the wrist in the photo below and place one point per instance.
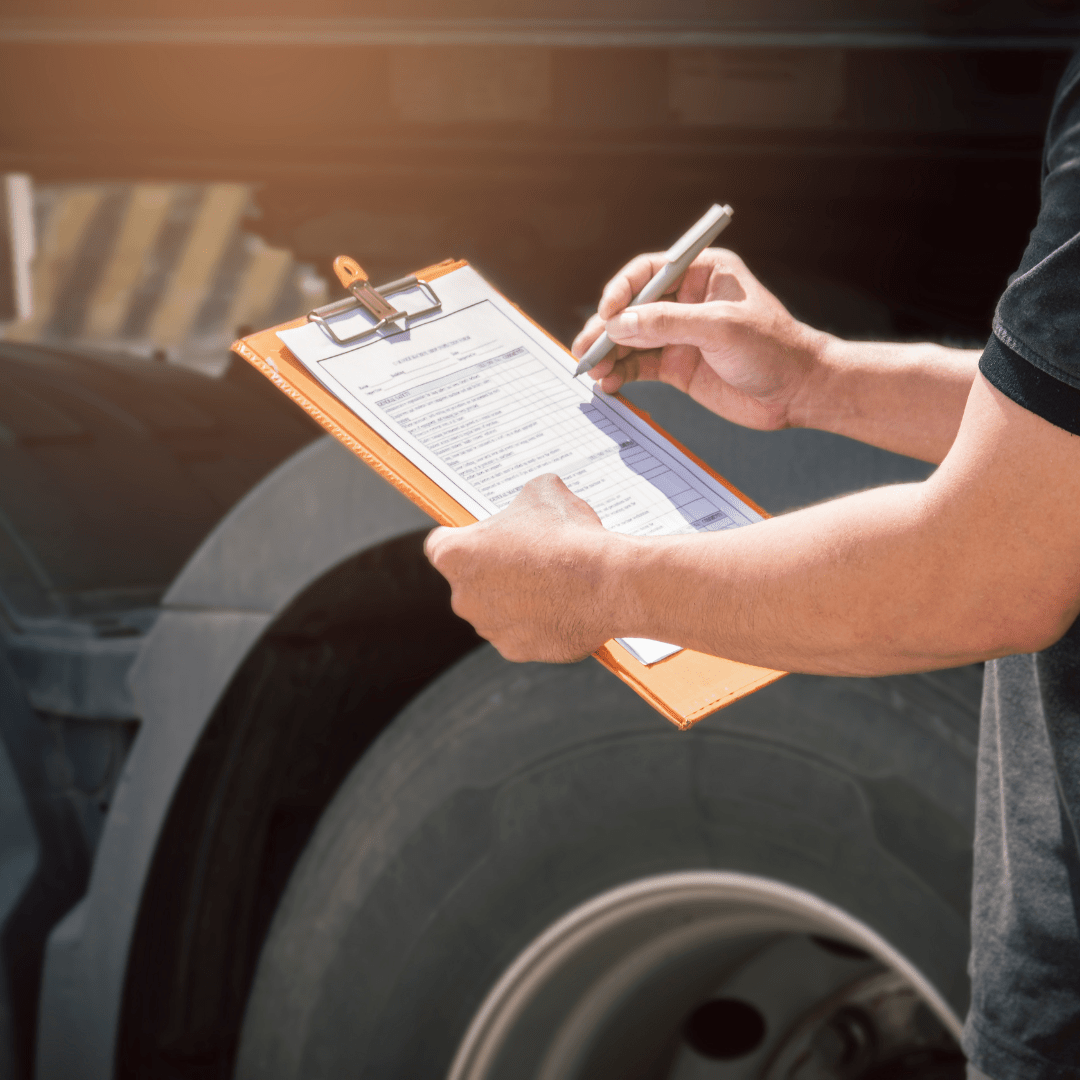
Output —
(642, 579)
(823, 355)
(621, 607)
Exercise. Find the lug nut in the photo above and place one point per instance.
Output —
(847, 1039)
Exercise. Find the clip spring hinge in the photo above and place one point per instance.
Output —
(374, 301)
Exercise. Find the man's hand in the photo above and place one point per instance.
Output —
(531, 579)
(726, 340)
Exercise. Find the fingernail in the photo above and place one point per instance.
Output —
(625, 324)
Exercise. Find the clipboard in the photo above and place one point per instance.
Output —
(684, 687)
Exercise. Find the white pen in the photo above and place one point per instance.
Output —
(679, 257)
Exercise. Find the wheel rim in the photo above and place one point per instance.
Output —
(609, 990)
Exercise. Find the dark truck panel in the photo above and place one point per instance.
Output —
(112, 472)
(548, 143)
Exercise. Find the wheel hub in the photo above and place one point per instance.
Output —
(709, 975)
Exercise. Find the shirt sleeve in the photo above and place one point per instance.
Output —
(1033, 356)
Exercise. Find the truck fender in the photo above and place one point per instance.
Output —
(317, 509)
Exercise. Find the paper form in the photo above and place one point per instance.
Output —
(483, 402)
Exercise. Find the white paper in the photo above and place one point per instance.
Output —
(646, 651)
(482, 401)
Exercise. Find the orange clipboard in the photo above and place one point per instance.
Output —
(684, 687)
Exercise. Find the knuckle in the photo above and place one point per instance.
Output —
(658, 322)
(613, 299)
(459, 605)
(513, 651)
(444, 554)
(589, 332)
(545, 483)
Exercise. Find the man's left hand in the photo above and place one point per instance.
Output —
(531, 579)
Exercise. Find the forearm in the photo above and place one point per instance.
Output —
(907, 398)
(980, 560)
(859, 586)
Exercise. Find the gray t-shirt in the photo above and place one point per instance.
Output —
(1024, 1022)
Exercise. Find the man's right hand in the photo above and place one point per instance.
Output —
(723, 338)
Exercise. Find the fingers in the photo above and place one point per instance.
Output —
(628, 282)
(546, 494)
(619, 366)
(589, 333)
(619, 352)
(521, 576)
(442, 543)
(431, 542)
(604, 368)
(652, 326)
(714, 275)
(618, 292)
(613, 375)
(611, 382)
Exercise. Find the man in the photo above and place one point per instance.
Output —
(979, 562)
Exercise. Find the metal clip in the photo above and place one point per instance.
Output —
(372, 300)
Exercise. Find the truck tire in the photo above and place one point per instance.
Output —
(531, 874)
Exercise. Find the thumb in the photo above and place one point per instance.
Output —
(652, 326)
(432, 542)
